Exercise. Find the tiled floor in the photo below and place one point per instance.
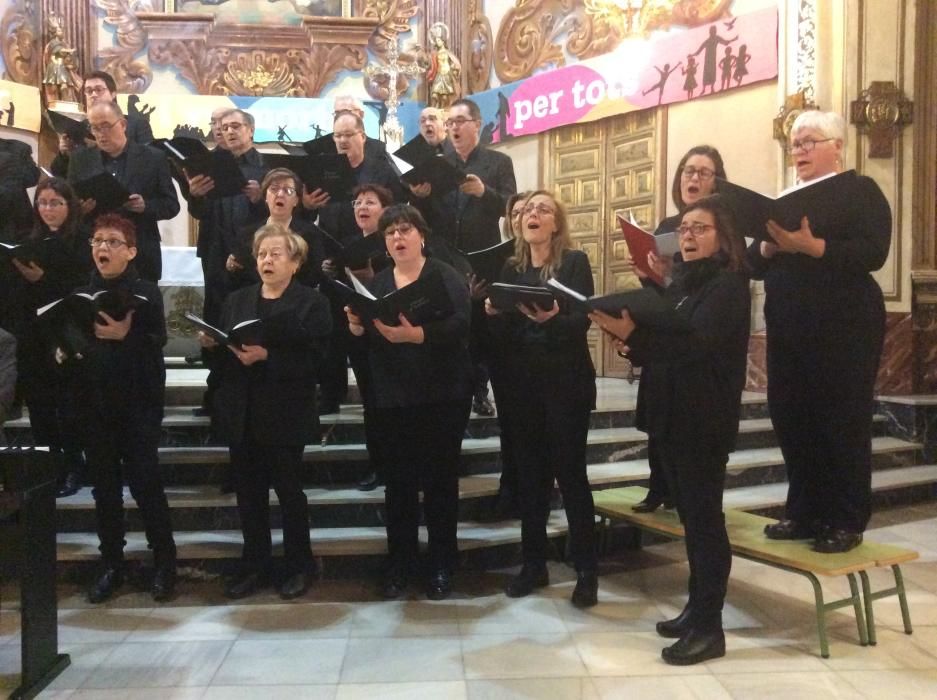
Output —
(340, 642)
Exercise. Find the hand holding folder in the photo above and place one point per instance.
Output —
(645, 306)
(420, 302)
(642, 243)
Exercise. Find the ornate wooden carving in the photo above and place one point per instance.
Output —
(881, 112)
(478, 51)
(19, 32)
(531, 34)
(130, 73)
(392, 18)
(222, 58)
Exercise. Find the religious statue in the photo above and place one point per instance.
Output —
(60, 79)
(445, 73)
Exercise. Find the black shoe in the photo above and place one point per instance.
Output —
(788, 530)
(293, 587)
(369, 482)
(834, 541)
(482, 406)
(530, 577)
(586, 592)
(650, 503)
(694, 647)
(242, 585)
(164, 584)
(393, 585)
(107, 582)
(70, 486)
(676, 627)
(193, 359)
(439, 586)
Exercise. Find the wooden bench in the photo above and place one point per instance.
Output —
(747, 539)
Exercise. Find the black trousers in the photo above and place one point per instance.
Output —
(820, 397)
(697, 472)
(500, 383)
(421, 446)
(658, 483)
(333, 370)
(125, 452)
(549, 425)
(257, 468)
(53, 419)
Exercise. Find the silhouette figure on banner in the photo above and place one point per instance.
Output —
(282, 135)
(741, 63)
(662, 83)
(318, 130)
(486, 137)
(710, 45)
(133, 109)
(192, 132)
(727, 65)
(504, 111)
(689, 71)
(381, 108)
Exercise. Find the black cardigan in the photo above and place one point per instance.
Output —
(273, 401)
(438, 370)
(694, 394)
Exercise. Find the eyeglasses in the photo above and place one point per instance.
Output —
(109, 243)
(358, 203)
(403, 229)
(232, 126)
(274, 254)
(702, 173)
(338, 136)
(281, 189)
(95, 90)
(517, 213)
(102, 128)
(50, 203)
(805, 145)
(541, 209)
(458, 121)
(696, 229)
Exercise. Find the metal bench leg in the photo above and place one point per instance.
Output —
(869, 611)
(865, 636)
(871, 596)
(821, 614)
(902, 599)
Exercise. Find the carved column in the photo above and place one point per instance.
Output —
(79, 24)
(449, 13)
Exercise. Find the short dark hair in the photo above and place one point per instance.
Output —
(384, 195)
(730, 242)
(702, 150)
(278, 174)
(473, 109)
(359, 122)
(102, 75)
(118, 223)
(60, 186)
(403, 214)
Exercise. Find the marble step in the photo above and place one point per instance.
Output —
(202, 506)
(363, 541)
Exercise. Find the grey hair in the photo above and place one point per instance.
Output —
(248, 117)
(830, 124)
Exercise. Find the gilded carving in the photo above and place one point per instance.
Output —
(258, 73)
(19, 33)
(200, 65)
(131, 75)
(317, 67)
(480, 50)
(531, 33)
(393, 17)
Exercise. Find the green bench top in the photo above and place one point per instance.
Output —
(747, 538)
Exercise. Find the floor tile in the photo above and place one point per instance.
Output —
(513, 656)
(194, 693)
(759, 653)
(270, 692)
(689, 687)
(159, 665)
(626, 654)
(894, 650)
(783, 686)
(298, 621)
(894, 685)
(282, 662)
(406, 618)
(437, 690)
(85, 659)
(402, 659)
(539, 688)
(190, 624)
(104, 625)
(498, 614)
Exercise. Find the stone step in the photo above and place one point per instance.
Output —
(202, 506)
(199, 546)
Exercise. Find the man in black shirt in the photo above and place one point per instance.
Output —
(99, 87)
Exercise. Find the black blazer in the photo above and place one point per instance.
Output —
(694, 394)
(18, 172)
(437, 371)
(146, 173)
(273, 402)
(309, 274)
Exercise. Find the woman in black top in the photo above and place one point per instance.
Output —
(64, 264)
(549, 392)
(693, 407)
(694, 179)
(422, 380)
(825, 319)
(265, 408)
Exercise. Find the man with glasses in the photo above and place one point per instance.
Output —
(142, 170)
(348, 103)
(468, 217)
(99, 87)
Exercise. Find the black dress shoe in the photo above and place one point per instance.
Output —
(369, 482)
(834, 541)
(676, 627)
(107, 582)
(393, 585)
(439, 586)
(242, 585)
(164, 584)
(482, 406)
(70, 486)
(293, 587)
(586, 592)
(788, 530)
(694, 647)
(648, 505)
(530, 577)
